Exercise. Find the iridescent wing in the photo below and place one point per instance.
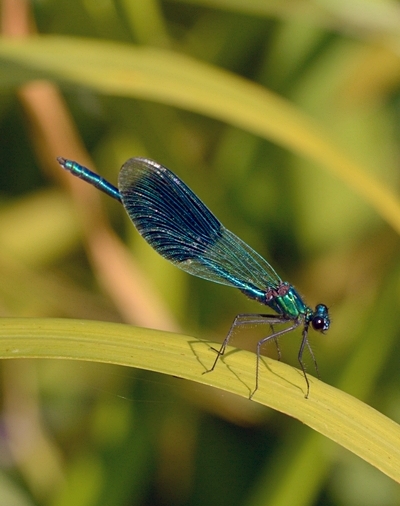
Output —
(184, 231)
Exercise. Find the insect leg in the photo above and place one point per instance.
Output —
(304, 343)
(244, 319)
(273, 336)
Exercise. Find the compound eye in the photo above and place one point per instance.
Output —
(318, 323)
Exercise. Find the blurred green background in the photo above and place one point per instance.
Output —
(92, 434)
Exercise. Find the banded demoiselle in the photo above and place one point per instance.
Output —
(176, 223)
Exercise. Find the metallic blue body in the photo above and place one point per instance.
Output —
(91, 177)
(176, 223)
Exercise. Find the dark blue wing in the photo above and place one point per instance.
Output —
(184, 231)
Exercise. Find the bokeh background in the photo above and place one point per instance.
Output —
(88, 434)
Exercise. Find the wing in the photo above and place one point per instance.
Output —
(184, 231)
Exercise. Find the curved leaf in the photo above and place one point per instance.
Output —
(335, 414)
